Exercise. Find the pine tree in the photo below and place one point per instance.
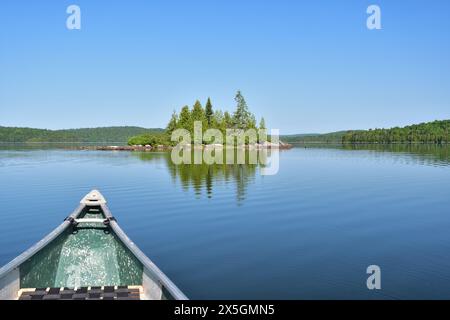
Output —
(251, 122)
(184, 121)
(262, 123)
(262, 134)
(216, 119)
(242, 116)
(227, 119)
(209, 112)
(172, 125)
(198, 114)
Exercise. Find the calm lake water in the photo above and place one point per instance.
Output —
(308, 232)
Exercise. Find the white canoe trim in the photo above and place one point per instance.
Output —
(93, 198)
(90, 220)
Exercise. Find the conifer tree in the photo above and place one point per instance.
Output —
(209, 112)
(262, 123)
(251, 122)
(172, 125)
(216, 119)
(184, 121)
(242, 116)
(198, 114)
(227, 119)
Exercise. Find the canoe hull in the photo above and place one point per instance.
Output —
(88, 249)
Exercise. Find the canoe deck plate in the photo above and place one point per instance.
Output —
(93, 198)
(83, 293)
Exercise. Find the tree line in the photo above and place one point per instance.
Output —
(325, 138)
(437, 132)
(84, 135)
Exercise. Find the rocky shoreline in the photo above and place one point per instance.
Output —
(256, 146)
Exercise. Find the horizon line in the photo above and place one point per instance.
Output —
(159, 128)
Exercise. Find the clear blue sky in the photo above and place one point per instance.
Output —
(307, 66)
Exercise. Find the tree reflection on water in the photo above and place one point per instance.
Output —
(203, 177)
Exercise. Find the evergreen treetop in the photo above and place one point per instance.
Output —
(209, 111)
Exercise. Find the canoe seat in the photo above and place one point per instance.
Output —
(83, 293)
(90, 220)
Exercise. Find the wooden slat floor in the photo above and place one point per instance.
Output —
(83, 293)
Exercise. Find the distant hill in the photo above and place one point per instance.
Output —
(333, 137)
(84, 135)
(430, 132)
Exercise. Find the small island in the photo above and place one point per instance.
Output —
(242, 119)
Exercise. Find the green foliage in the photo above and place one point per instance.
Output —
(430, 132)
(262, 123)
(198, 114)
(227, 120)
(119, 135)
(251, 123)
(209, 112)
(172, 125)
(150, 139)
(242, 118)
(216, 119)
(333, 137)
(185, 118)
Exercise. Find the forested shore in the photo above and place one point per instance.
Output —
(436, 132)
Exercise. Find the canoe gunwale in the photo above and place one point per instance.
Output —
(15, 263)
(146, 262)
